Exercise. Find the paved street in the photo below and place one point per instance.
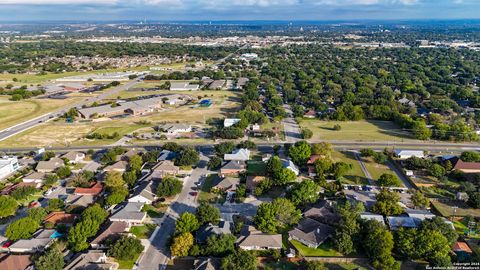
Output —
(157, 254)
(9, 132)
(291, 128)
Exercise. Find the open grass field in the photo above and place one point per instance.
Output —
(447, 209)
(375, 169)
(324, 250)
(64, 134)
(356, 172)
(355, 131)
(15, 112)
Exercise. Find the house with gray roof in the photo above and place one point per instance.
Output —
(227, 184)
(109, 232)
(74, 156)
(50, 165)
(253, 239)
(311, 232)
(223, 227)
(91, 259)
(396, 223)
(131, 213)
(241, 154)
(164, 168)
(40, 241)
(175, 128)
(144, 192)
(372, 216)
(135, 107)
(119, 166)
(217, 84)
(233, 167)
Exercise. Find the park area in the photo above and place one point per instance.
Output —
(355, 131)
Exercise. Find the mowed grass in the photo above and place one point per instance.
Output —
(376, 170)
(355, 131)
(324, 250)
(15, 112)
(356, 171)
(144, 231)
(447, 209)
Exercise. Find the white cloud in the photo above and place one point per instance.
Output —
(56, 2)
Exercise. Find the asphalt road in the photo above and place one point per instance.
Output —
(11, 131)
(291, 128)
(157, 255)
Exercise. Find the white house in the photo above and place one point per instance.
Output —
(176, 128)
(404, 154)
(238, 155)
(74, 157)
(131, 213)
(144, 193)
(228, 122)
(8, 165)
(34, 177)
(287, 163)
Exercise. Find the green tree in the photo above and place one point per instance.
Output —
(187, 157)
(300, 152)
(181, 244)
(247, 145)
(52, 259)
(8, 206)
(324, 149)
(278, 214)
(21, 229)
(207, 213)
(405, 243)
(437, 170)
(220, 245)
(215, 163)
(434, 247)
(470, 156)
(135, 163)
(314, 265)
(389, 180)
(63, 172)
(114, 179)
(474, 199)
(340, 169)
(347, 232)
(418, 199)
(282, 177)
(303, 193)
(438, 224)
(387, 204)
(126, 248)
(55, 205)
(307, 134)
(239, 260)
(130, 178)
(186, 223)
(117, 196)
(378, 244)
(224, 148)
(169, 186)
(37, 214)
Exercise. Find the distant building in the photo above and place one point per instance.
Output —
(8, 165)
(396, 223)
(183, 86)
(217, 85)
(175, 128)
(74, 156)
(405, 154)
(371, 216)
(228, 122)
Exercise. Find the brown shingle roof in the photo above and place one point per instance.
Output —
(60, 218)
(114, 228)
(95, 189)
(14, 262)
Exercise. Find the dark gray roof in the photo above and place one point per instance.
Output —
(204, 232)
(312, 231)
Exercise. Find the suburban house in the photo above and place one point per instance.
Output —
(111, 232)
(40, 241)
(419, 215)
(310, 114)
(131, 213)
(80, 200)
(63, 218)
(228, 184)
(206, 264)
(91, 259)
(324, 212)
(206, 231)
(144, 192)
(241, 82)
(405, 154)
(92, 166)
(34, 177)
(311, 232)
(164, 168)
(49, 166)
(166, 155)
(396, 223)
(253, 239)
(16, 262)
(233, 167)
(372, 216)
(119, 166)
(466, 167)
(8, 189)
(8, 165)
(238, 155)
(288, 163)
(228, 122)
(74, 156)
(94, 190)
(183, 86)
(462, 249)
(175, 128)
(217, 84)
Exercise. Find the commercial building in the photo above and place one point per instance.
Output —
(8, 165)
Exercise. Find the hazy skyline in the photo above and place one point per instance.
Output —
(53, 10)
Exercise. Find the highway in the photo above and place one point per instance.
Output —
(11, 131)
(157, 255)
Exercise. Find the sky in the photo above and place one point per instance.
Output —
(288, 10)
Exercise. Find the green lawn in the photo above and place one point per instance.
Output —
(355, 131)
(282, 265)
(355, 174)
(205, 195)
(256, 168)
(447, 210)
(324, 250)
(154, 212)
(375, 169)
(344, 266)
(127, 264)
(144, 231)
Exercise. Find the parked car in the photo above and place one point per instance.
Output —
(7, 244)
